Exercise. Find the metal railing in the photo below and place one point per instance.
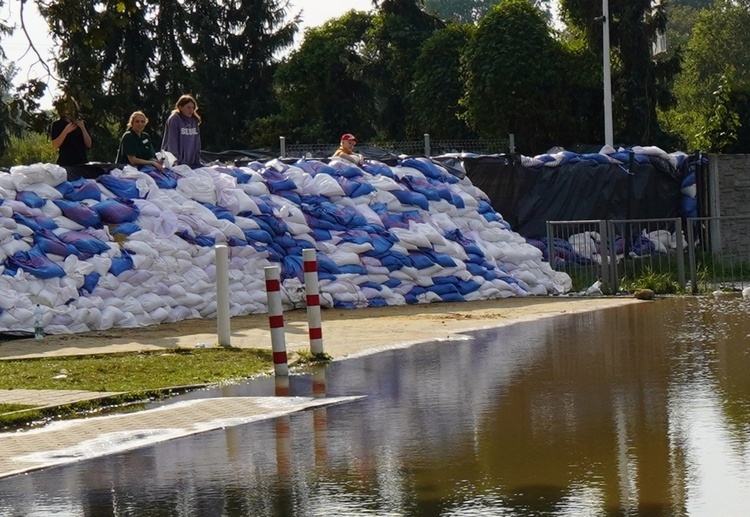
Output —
(622, 255)
(425, 147)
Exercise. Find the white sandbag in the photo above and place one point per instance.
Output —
(328, 186)
(49, 173)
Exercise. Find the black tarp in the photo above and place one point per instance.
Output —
(528, 197)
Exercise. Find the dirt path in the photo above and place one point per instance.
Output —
(345, 332)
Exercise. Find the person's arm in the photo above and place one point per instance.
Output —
(171, 140)
(134, 160)
(130, 148)
(58, 140)
(84, 130)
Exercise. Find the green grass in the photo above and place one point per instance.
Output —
(134, 371)
(141, 375)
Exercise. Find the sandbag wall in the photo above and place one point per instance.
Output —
(134, 248)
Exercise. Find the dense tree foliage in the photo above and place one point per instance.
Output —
(640, 82)
(511, 67)
(438, 84)
(469, 11)
(116, 56)
(452, 68)
(714, 87)
(322, 87)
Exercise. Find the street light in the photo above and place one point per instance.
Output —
(608, 138)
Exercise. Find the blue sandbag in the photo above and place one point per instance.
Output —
(85, 243)
(121, 187)
(122, 263)
(321, 234)
(378, 168)
(371, 285)
(377, 302)
(126, 229)
(163, 179)
(79, 190)
(34, 262)
(424, 166)
(327, 265)
(468, 286)
(35, 223)
(115, 211)
(48, 242)
(338, 304)
(291, 267)
(220, 212)
(90, 281)
(407, 197)
(420, 260)
(78, 212)
(392, 282)
(198, 240)
(30, 199)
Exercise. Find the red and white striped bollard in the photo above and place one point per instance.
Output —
(276, 320)
(314, 320)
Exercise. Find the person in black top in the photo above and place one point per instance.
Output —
(70, 135)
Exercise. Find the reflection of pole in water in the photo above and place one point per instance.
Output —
(283, 446)
(320, 416)
(281, 386)
(283, 439)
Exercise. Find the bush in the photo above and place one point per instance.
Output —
(27, 149)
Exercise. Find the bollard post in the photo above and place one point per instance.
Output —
(276, 320)
(282, 144)
(222, 295)
(310, 263)
(427, 150)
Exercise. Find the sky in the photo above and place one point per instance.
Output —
(16, 48)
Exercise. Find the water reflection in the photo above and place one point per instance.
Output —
(641, 410)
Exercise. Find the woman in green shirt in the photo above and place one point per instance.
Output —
(135, 146)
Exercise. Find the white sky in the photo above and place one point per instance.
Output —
(16, 48)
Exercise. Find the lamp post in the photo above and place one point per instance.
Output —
(608, 137)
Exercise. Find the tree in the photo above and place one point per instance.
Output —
(712, 89)
(438, 84)
(511, 66)
(322, 89)
(468, 11)
(116, 56)
(392, 46)
(641, 83)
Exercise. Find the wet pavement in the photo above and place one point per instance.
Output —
(638, 410)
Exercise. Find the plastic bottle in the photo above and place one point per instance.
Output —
(38, 322)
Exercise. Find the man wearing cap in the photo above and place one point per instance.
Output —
(346, 150)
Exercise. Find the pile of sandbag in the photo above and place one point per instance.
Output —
(135, 248)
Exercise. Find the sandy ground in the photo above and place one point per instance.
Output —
(345, 332)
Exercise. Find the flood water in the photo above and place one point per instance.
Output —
(640, 410)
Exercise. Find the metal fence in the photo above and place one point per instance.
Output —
(424, 147)
(666, 255)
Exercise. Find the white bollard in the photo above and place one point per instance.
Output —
(276, 320)
(222, 295)
(314, 321)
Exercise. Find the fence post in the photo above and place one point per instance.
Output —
(222, 294)
(427, 145)
(282, 143)
(607, 277)
(691, 255)
(680, 253)
(310, 265)
(511, 143)
(276, 320)
(550, 247)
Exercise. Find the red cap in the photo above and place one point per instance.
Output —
(348, 136)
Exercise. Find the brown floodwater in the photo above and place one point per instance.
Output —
(638, 410)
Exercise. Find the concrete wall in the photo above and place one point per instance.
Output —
(729, 186)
